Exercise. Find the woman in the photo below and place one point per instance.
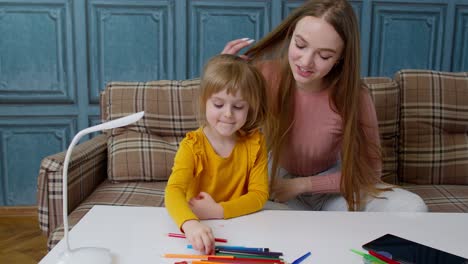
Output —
(322, 131)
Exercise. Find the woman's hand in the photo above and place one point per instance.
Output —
(234, 46)
(205, 207)
(286, 189)
(200, 236)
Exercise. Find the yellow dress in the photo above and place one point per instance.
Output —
(239, 183)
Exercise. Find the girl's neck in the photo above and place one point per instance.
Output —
(222, 145)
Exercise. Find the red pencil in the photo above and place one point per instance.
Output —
(183, 236)
(382, 257)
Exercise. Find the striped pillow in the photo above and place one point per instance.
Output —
(385, 93)
(144, 151)
(434, 123)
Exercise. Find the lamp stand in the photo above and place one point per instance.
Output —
(87, 255)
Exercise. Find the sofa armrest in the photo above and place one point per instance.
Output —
(86, 170)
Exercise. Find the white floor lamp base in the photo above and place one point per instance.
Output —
(86, 255)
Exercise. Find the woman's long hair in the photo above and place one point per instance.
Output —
(358, 177)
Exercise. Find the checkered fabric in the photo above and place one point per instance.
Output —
(433, 147)
(442, 198)
(117, 194)
(145, 151)
(385, 93)
(86, 170)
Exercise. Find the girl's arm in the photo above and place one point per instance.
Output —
(178, 183)
(198, 234)
(257, 190)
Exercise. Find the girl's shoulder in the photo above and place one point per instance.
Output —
(193, 139)
(255, 143)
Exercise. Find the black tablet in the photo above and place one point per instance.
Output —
(406, 251)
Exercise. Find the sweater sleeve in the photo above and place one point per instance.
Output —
(257, 190)
(330, 182)
(178, 183)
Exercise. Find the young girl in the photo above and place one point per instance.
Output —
(220, 170)
(323, 132)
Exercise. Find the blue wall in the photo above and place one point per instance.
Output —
(57, 55)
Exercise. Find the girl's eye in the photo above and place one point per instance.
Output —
(238, 107)
(325, 57)
(218, 105)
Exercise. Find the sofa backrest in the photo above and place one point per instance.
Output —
(433, 144)
(423, 122)
(145, 150)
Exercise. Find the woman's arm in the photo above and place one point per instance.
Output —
(286, 189)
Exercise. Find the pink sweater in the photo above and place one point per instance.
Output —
(314, 142)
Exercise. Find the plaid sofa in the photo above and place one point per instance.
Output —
(423, 120)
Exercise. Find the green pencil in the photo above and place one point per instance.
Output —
(369, 257)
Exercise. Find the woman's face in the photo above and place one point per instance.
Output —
(314, 49)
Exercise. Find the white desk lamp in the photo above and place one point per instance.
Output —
(87, 255)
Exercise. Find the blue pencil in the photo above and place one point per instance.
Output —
(300, 259)
(239, 248)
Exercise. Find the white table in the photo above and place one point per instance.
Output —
(139, 234)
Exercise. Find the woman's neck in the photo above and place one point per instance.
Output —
(314, 86)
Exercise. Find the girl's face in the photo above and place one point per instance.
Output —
(226, 113)
(314, 49)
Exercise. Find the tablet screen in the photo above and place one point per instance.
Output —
(406, 251)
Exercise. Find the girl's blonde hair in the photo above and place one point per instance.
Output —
(234, 74)
(358, 177)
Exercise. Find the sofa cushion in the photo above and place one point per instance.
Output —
(118, 194)
(144, 151)
(442, 198)
(385, 93)
(433, 147)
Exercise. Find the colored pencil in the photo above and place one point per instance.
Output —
(242, 248)
(368, 257)
(301, 258)
(382, 257)
(250, 252)
(183, 236)
(250, 260)
(191, 256)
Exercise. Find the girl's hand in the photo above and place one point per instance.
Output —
(286, 189)
(200, 236)
(205, 207)
(234, 46)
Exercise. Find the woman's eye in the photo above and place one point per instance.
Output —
(325, 57)
(300, 46)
